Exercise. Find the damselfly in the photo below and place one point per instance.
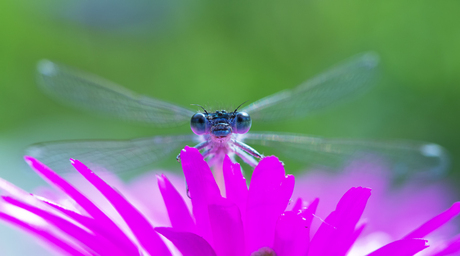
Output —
(221, 132)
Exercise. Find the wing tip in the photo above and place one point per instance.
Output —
(432, 150)
(46, 67)
(435, 151)
(34, 151)
(370, 59)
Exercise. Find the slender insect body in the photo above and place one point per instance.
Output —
(220, 130)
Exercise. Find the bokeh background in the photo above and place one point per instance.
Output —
(221, 53)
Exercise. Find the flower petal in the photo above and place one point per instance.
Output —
(290, 228)
(309, 213)
(353, 237)
(88, 222)
(435, 222)
(97, 243)
(202, 187)
(138, 224)
(113, 231)
(51, 239)
(12, 189)
(189, 244)
(227, 228)
(339, 226)
(403, 247)
(178, 212)
(268, 196)
(235, 185)
(298, 205)
(452, 247)
(292, 235)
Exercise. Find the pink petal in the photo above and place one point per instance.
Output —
(235, 185)
(435, 222)
(138, 224)
(452, 247)
(202, 187)
(98, 244)
(292, 235)
(227, 228)
(178, 212)
(268, 196)
(302, 243)
(51, 239)
(189, 244)
(12, 189)
(88, 222)
(291, 231)
(298, 205)
(113, 231)
(308, 214)
(403, 247)
(149, 196)
(340, 224)
(352, 239)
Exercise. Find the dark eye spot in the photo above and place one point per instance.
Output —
(242, 123)
(198, 124)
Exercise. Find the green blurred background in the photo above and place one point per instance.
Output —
(225, 52)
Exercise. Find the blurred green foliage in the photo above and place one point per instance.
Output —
(221, 53)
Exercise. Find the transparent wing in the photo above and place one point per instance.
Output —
(404, 157)
(347, 79)
(78, 89)
(113, 155)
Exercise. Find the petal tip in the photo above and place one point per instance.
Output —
(363, 189)
(161, 181)
(29, 160)
(188, 150)
(456, 206)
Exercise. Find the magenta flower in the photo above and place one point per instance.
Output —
(246, 221)
(392, 211)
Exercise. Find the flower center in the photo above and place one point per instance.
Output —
(264, 251)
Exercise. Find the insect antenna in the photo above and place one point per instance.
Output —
(200, 107)
(239, 107)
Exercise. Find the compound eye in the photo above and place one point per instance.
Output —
(242, 122)
(198, 123)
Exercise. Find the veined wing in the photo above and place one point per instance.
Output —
(113, 155)
(404, 157)
(347, 79)
(89, 92)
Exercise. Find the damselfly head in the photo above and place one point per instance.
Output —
(220, 124)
